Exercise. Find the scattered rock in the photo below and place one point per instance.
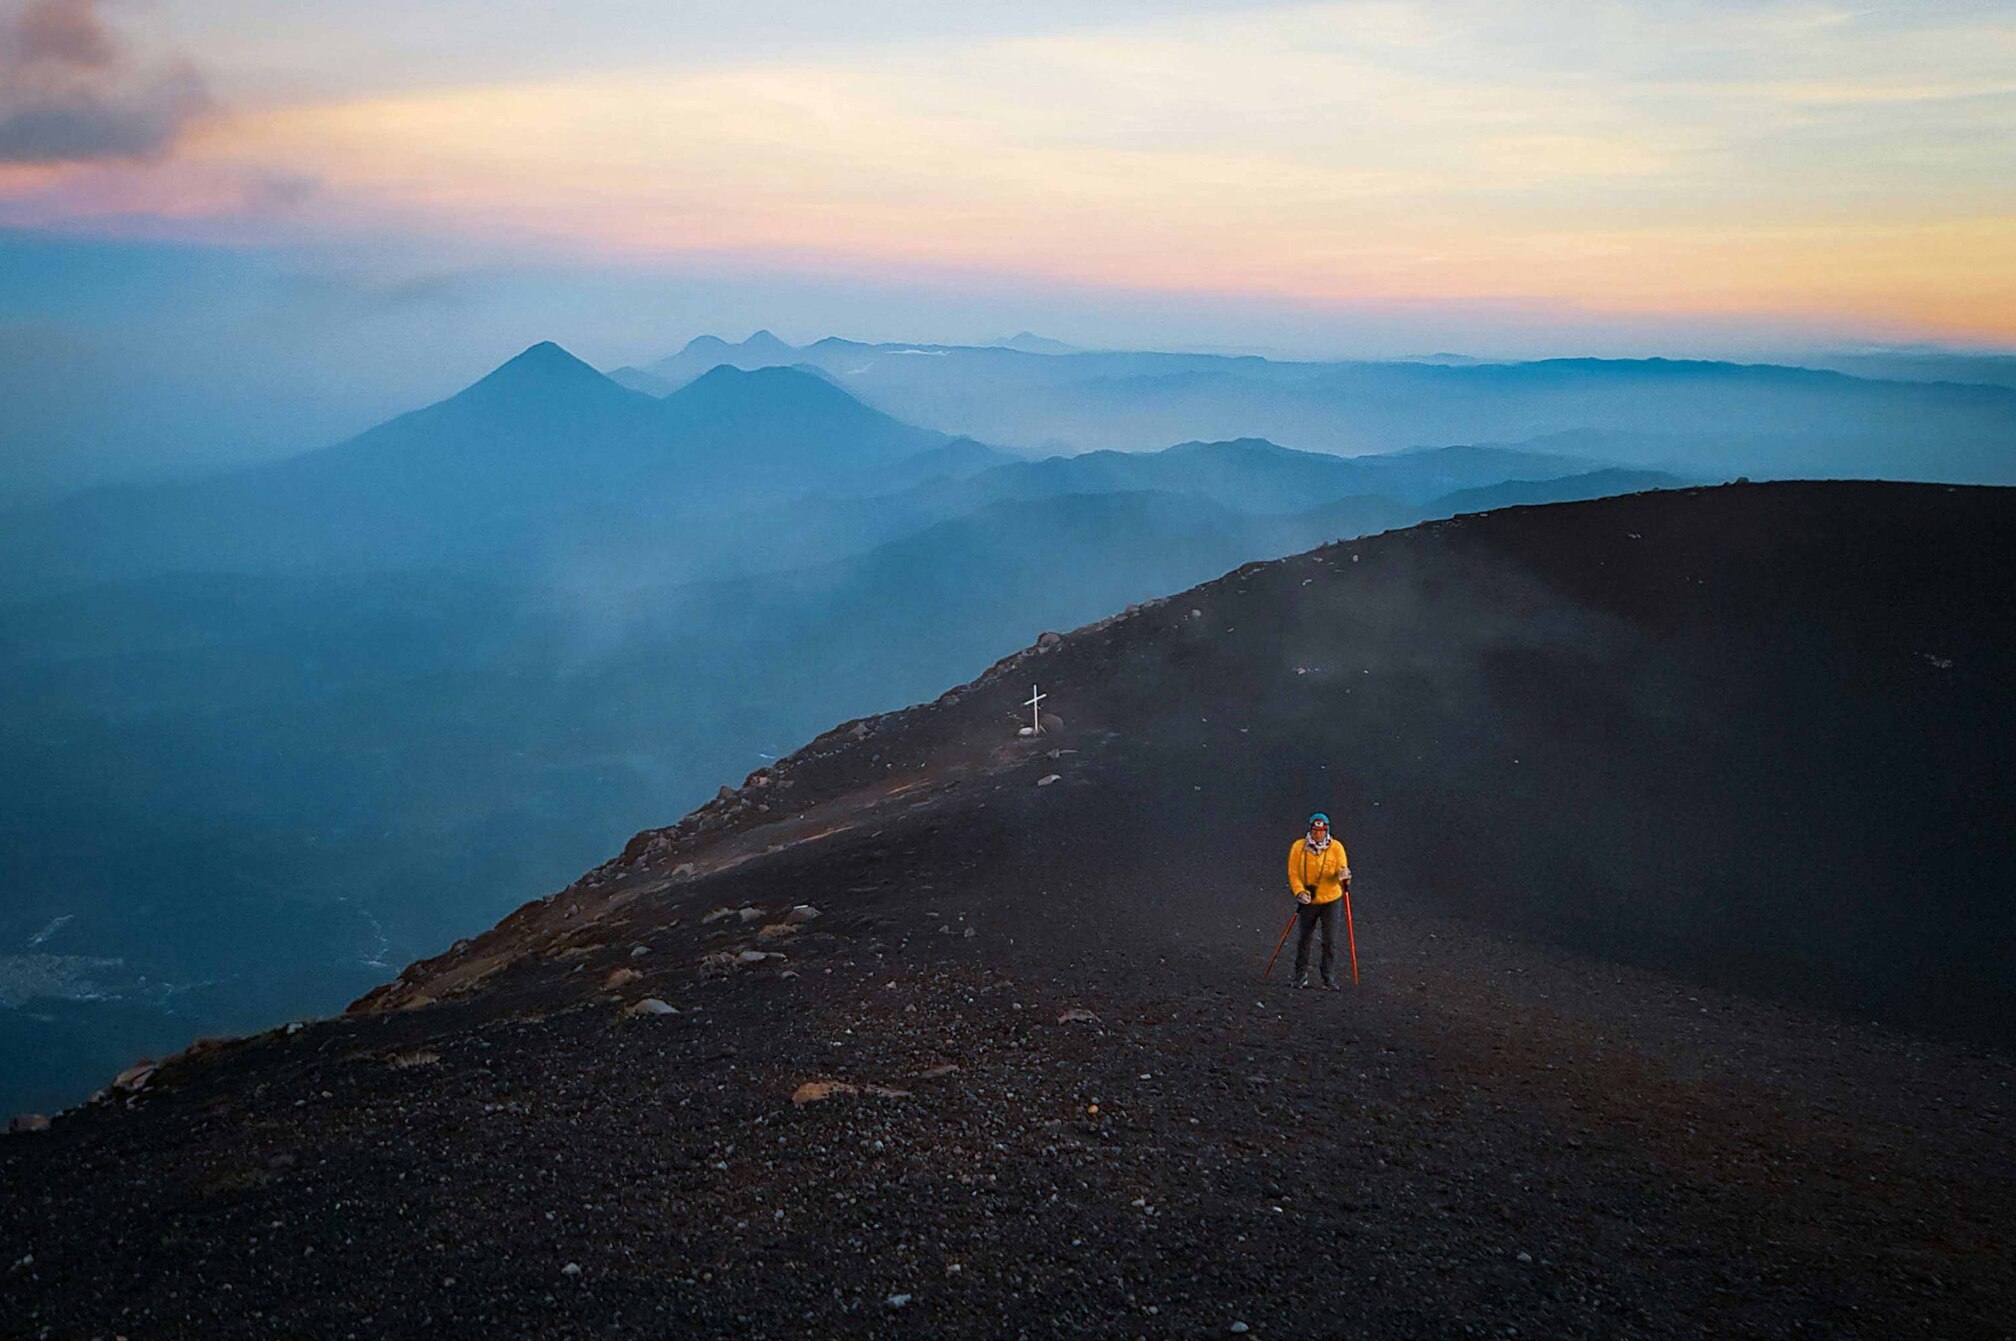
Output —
(717, 915)
(1048, 778)
(293, 1028)
(618, 977)
(1077, 1014)
(135, 1078)
(755, 957)
(804, 912)
(651, 1005)
(24, 1123)
(814, 1091)
(947, 1069)
(750, 914)
(725, 794)
(1049, 639)
(898, 1300)
(406, 1061)
(777, 931)
(572, 1270)
(1050, 721)
(1240, 1328)
(639, 951)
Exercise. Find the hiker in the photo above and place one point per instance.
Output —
(1318, 874)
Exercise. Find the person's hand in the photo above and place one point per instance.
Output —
(1302, 896)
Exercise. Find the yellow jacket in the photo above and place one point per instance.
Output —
(1320, 874)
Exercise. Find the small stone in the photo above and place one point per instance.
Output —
(804, 912)
(814, 1091)
(1241, 1328)
(1525, 1257)
(1048, 778)
(899, 1300)
(571, 1269)
(639, 951)
(294, 1028)
(1049, 639)
(777, 931)
(749, 914)
(651, 1005)
(618, 977)
(1076, 1015)
(752, 957)
(27, 1122)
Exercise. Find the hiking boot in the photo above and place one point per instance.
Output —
(1302, 980)
(1332, 983)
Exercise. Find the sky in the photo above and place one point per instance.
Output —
(256, 226)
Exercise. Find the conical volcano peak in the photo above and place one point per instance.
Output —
(544, 362)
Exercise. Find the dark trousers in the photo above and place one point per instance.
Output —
(1312, 916)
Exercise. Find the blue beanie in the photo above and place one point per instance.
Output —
(1319, 816)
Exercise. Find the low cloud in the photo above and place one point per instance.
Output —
(71, 92)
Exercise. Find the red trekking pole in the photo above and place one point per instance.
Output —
(1278, 944)
(1350, 933)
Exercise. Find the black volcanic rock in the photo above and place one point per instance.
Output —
(1587, 759)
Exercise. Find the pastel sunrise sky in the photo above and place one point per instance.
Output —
(357, 184)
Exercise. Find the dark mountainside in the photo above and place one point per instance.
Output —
(1585, 757)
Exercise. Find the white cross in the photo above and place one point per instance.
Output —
(1035, 707)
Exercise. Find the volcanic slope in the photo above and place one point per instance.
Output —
(1019, 1075)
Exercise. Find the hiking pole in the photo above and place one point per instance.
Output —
(1351, 934)
(1278, 944)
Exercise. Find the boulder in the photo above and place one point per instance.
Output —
(618, 977)
(135, 1078)
(27, 1122)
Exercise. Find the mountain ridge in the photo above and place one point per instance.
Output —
(932, 1025)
